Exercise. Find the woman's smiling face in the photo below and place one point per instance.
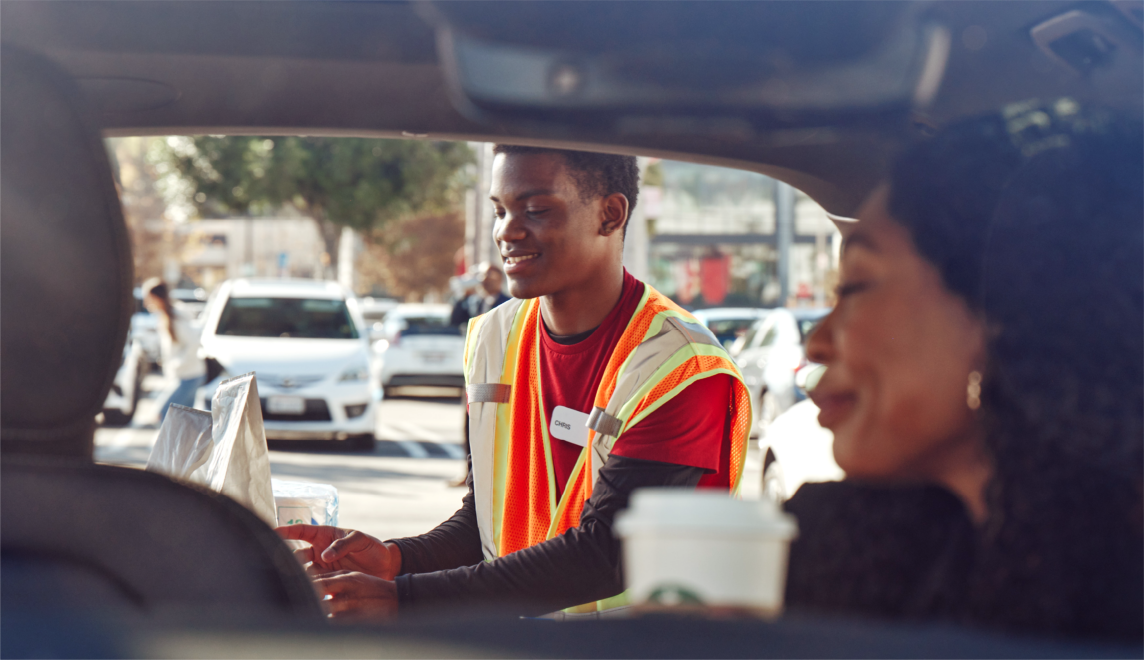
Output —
(899, 348)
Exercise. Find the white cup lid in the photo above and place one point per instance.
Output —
(680, 509)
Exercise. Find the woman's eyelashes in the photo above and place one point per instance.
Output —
(846, 289)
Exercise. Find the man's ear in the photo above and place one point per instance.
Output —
(614, 212)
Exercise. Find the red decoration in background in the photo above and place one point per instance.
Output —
(714, 277)
(459, 266)
(685, 276)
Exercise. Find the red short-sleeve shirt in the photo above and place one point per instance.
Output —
(692, 430)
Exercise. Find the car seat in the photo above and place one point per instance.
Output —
(76, 536)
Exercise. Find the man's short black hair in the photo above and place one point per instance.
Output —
(597, 175)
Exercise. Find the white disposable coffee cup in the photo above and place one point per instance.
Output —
(705, 548)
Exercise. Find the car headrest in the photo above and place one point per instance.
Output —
(65, 264)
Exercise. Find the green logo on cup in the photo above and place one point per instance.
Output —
(674, 595)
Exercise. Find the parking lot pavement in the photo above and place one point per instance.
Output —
(752, 483)
(398, 489)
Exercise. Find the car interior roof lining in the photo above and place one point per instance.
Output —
(371, 69)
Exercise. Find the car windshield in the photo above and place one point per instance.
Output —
(729, 329)
(305, 318)
(428, 325)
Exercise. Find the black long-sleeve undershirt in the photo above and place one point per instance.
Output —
(445, 568)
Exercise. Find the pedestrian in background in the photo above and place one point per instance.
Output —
(178, 347)
(488, 295)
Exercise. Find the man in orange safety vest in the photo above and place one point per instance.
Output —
(585, 386)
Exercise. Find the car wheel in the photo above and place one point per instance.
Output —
(774, 486)
(137, 393)
(768, 411)
(363, 442)
(114, 417)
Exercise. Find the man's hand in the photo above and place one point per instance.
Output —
(334, 549)
(357, 596)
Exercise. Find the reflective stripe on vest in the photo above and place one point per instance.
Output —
(662, 350)
(488, 392)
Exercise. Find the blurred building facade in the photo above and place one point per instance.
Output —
(216, 250)
(705, 236)
(715, 238)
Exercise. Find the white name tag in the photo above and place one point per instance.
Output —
(569, 425)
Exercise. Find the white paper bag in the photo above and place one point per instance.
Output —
(240, 464)
(237, 463)
(184, 444)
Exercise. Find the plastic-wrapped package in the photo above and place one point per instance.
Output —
(235, 462)
(301, 502)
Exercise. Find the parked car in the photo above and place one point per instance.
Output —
(769, 354)
(121, 402)
(191, 301)
(798, 451)
(373, 310)
(418, 346)
(306, 342)
(729, 323)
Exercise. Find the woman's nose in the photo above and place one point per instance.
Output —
(820, 343)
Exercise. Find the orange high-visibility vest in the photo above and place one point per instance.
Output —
(662, 350)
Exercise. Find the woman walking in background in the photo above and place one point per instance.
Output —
(179, 347)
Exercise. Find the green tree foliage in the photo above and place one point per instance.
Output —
(360, 183)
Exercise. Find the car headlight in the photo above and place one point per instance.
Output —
(358, 372)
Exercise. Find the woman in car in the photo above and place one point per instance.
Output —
(178, 347)
(985, 386)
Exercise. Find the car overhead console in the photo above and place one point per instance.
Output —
(695, 67)
(1086, 41)
(1099, 49)
(1133, 10)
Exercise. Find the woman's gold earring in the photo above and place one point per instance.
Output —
(973, 391)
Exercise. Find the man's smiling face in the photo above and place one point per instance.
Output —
(548, 232)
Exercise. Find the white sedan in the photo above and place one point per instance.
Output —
(418, 347)
(798, 451)
(729, 323)
(308, 346)
(769, 355)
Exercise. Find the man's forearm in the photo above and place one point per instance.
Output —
(454, 543)
(579, 566)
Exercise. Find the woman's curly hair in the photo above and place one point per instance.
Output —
(1035, 216)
